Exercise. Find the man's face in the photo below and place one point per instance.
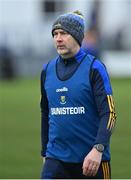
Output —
(65, 44)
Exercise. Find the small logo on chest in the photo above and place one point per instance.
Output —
(64, 89)
(62, 100)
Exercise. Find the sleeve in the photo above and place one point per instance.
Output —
(44, 115)
(102, 91)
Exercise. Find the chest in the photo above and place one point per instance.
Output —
(76, 88)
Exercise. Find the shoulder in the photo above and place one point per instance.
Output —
(45, 65)
(91, 58)
(52, 61)
(43, 70)
(98, 64)
(100, 67)
(100, 74)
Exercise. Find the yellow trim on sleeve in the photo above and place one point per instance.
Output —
(106, 170)
(112, 116)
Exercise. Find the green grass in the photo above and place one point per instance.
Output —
(121, 142)
(20, 129)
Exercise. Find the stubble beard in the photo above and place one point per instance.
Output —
(65, 53)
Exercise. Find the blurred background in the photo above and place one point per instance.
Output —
(26, 45)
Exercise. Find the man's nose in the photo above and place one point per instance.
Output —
(59, 37)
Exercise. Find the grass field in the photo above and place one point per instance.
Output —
(20, 129)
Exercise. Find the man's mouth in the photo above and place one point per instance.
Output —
(60, 47)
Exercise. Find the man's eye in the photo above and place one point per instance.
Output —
(64, 33)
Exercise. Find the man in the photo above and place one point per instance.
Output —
(77, 107)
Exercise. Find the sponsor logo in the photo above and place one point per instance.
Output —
(67, 110)
(64, 89)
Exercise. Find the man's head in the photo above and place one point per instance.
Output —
(68, 33)
(72, 23)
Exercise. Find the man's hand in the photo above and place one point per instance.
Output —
(92, 162)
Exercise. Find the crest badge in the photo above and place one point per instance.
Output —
(62, 100)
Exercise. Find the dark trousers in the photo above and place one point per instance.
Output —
(56, 169)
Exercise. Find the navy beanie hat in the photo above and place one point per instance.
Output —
(72, 23)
